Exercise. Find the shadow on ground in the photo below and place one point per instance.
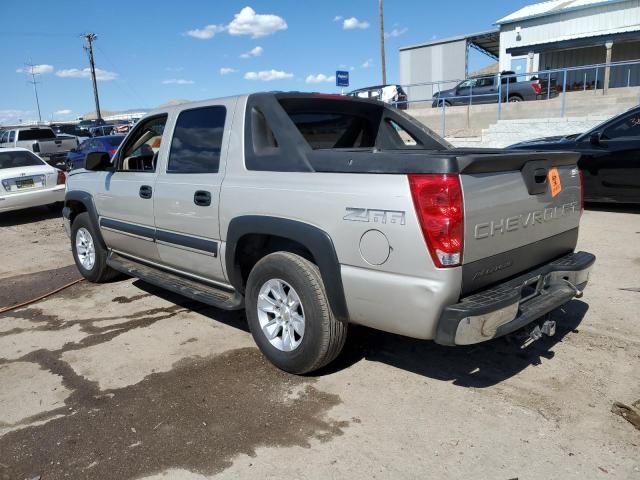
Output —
(30, 215)
(477, 366)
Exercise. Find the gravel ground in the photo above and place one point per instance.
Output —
(125, 381)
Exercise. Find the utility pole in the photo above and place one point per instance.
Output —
(35, 87)
(90, 38)
(383, 63)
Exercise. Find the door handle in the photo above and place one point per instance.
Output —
(146, 191)
(202, 198)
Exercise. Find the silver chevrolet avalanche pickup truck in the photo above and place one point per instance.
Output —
(315, 211)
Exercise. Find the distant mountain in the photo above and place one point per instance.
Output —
(109, 113)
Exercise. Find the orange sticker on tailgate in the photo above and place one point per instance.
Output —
(554, 181)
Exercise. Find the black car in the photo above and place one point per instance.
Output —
(610, 159)
(393, 94)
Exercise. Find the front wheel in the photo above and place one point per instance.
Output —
(515, 99)
(88, 253)
(289, 314)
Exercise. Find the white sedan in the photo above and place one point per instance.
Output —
(28, 181)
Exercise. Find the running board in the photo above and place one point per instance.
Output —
(209, 294)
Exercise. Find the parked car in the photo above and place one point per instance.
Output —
(71, 129)
(40, 140)
(485, 89)
(610, 157)
(311, 211)
(28, 181)
(85, 126)
(392, 94)
(108, 144)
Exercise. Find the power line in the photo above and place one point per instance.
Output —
(35, 87)
(133, 93)
(90, 38)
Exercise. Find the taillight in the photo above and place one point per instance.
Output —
(438, 203)
(62, 178)
(536, 88)
(112, 152)
(581, 191)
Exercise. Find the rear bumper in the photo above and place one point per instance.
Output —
(33, 198)
(511, 305)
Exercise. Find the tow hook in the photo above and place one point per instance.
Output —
(547, 328)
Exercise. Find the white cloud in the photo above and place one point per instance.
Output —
(338, 18)
(227, 70)
(368, 63)
(267, 75)
(320, 78)
(396, 32)
(254, 52)
(207, 32)
(248, 22)
(64, 111)
(177, 81)
(15, 116)
(103, 75)
(353, 23)
(36, 69)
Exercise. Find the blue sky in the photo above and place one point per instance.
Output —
(150, 52)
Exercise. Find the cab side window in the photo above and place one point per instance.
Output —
(140, 154)
(197, 141)
(628, 127)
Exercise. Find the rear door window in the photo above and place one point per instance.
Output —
(197, 141)
(36, 134)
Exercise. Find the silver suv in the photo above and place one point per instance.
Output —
(315, 211)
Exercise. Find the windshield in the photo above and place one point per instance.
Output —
(18, 159)
(36, 134)
(607, 122)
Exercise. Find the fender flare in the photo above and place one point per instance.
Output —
(85, 199)
(317, 241)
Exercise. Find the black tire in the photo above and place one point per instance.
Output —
(99, 272)
(324, 335)
(515, 99)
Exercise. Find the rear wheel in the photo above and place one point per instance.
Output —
(89, 255)
(289, 314)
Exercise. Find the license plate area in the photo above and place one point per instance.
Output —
(24, 183)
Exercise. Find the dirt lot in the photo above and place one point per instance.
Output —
(125, 381)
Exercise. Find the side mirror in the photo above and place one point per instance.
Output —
(98, 162)
(595, 138)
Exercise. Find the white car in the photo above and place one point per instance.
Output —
(28, 181)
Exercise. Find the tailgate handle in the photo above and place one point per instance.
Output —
(540, 175)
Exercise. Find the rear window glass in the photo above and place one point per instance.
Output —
(335, 130)
(36, 134)
(18, 159)
(115, 141)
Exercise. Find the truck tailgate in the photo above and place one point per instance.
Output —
(515, 220)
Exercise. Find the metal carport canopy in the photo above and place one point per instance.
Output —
(487, 42)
